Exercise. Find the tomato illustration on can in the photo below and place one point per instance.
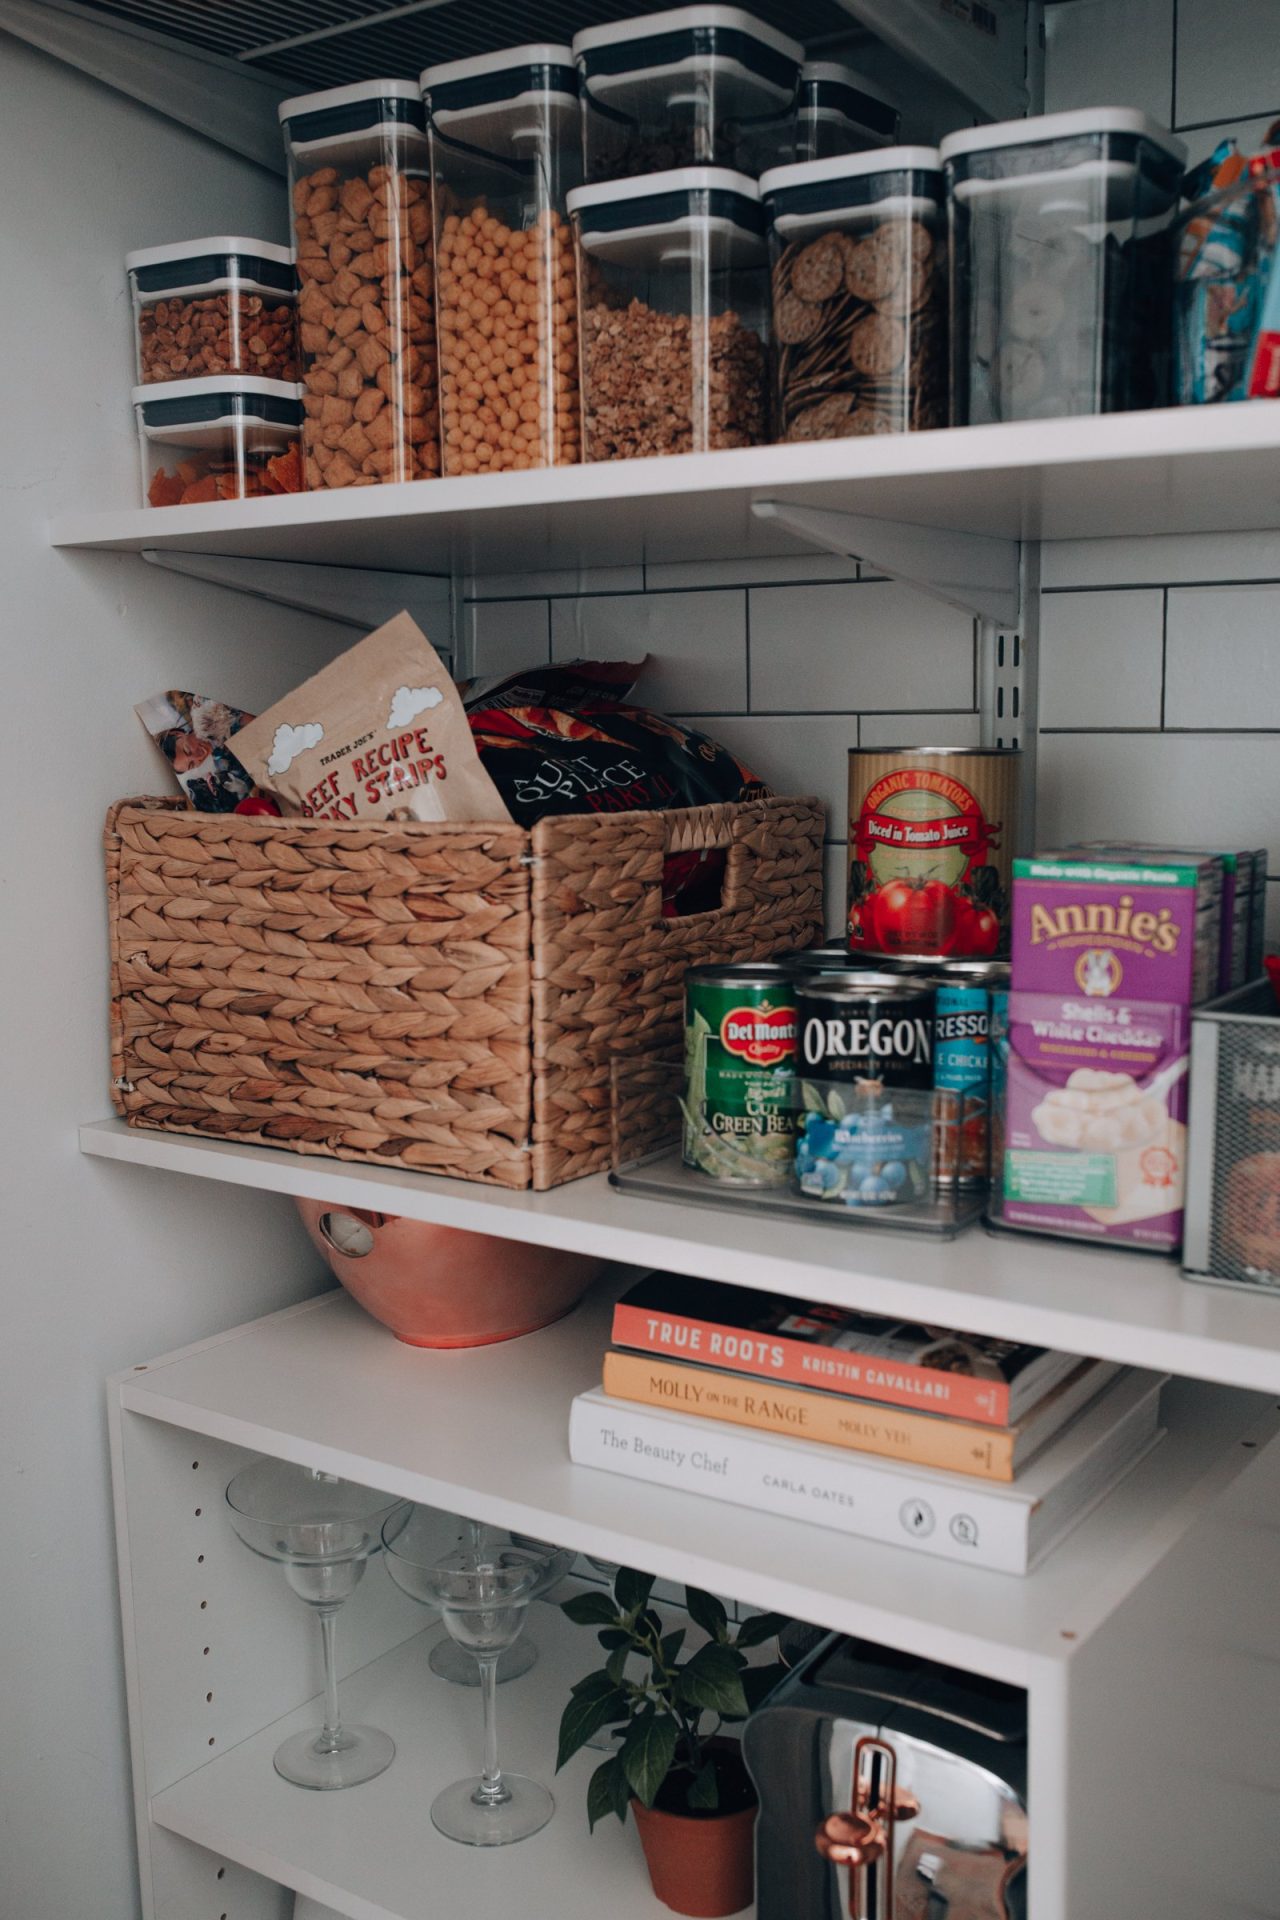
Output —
(931, 841)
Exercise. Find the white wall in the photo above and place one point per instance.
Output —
(102, 1265)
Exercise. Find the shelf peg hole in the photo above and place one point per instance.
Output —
(211, 1739)
(203, 1605)
(140, 1369)
(194, 1465)
(1067, 1634)
(208, 1697)
(199, 1559)
(1248, 1443)
(206, 1650)
(221, 1874)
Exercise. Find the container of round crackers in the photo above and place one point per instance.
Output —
(859, 293)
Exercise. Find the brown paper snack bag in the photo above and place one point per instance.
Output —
(379, 735)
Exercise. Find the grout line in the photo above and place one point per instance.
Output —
(1173, 67)
(1202, 126)
(1172, 586)
(1164, 652)
(550, 656)
(1205, 733)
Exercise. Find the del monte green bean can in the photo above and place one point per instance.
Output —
(739, 1065)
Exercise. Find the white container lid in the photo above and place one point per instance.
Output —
(197, 249)
(682, 19)
(217, 383)
(1063, 126)
(851, 166)
(539, 53)
(833, 73)
(647, 186)
(346, 96)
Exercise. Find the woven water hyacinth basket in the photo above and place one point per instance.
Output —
(449, 998)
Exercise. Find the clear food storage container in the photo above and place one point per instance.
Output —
(224, 437)
(506, 148)
(672, 296)
(1061, 237)
(697, 86)
(858, 326)
(361, 197)
(836, 111)
(221, 305)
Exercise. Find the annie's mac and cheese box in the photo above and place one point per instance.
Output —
(1108, 961)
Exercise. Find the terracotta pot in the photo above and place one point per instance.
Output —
(700, 1863)
(442, 1287)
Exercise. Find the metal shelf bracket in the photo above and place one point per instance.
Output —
(356, 596)
(969, 570)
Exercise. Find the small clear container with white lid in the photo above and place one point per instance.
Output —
(837, 110)
(1061, 241)
(694, 86)
(505, 132)
(219, 305)
(360, 190)
(673, 292)
(223, 437)
(859, 294)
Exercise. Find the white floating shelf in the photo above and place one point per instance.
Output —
(1131, 1307)
(1179, 470)
(483, 1431)
(373, 1854)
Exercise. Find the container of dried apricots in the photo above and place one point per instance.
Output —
(506, 148)
(361, 198)
(222, 437)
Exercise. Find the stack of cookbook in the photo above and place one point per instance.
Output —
(979, 1450)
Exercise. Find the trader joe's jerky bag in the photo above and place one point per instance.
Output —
(379, 735)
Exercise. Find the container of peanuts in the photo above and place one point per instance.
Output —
(858, 323)
(673, 292)
(361, 198)
(222, 437)
(221, 305)
(693, 86)
(506, 149)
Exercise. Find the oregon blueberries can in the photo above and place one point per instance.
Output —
(739, 1065)
(864, 1071)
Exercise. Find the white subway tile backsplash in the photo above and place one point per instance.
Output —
(1164, 558)
(664, 575)
(1091, 42)
(1176, 787)
(1100, 659)
(696, 642)
(873, 644)
(802, 753)
(920, 730)
(1228, 59)
(506, 586)
(1224, 659)
(505, 635)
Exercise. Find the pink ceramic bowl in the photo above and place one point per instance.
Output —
(440, 1286)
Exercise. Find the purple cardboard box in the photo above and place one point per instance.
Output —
(1099, 1033)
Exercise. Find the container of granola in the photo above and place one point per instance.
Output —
(361, 197)
(859, 291)
(220, 305)
(506, 148)
(673, 293)
(225, 437)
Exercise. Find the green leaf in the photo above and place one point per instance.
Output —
(760, 1627)
(647, 1753)
(591, 1683)
(759, 1682)
(590, 1610)
(631, 1590)
(616, 1665)
(611, 1637)
(671, 1645)
(607, 1792)
(584, 1715)
(706, 1612)
(705, 1789)
(712, 1681)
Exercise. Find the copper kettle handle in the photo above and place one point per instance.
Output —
(863, 1837)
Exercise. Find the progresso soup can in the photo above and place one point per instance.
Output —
(864, 1073)
(739, 1068)
(931, 843)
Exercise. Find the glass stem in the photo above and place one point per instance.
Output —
(492, 1791)
(331, 1738)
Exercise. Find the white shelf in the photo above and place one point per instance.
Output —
(1131, 1307)
(483, 1431)
(372, 1853)
(1180, 470)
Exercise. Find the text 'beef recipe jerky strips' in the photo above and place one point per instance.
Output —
(381, 734)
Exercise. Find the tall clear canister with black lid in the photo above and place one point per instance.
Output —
(1061, 237)
(672, 303)
(361, 198)
(506, 149)
(691, 86)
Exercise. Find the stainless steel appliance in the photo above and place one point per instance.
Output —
(890, 1789)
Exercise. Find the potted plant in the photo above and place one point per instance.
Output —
(683, 1779)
